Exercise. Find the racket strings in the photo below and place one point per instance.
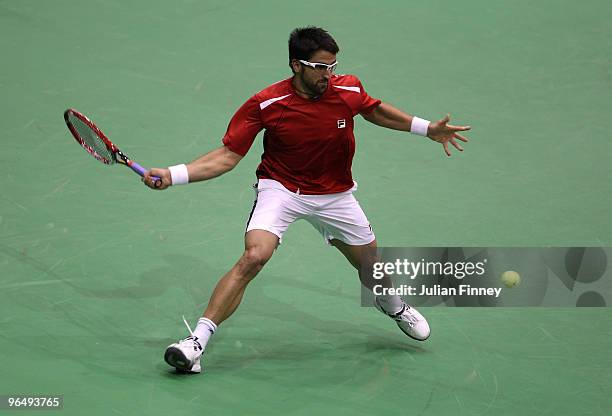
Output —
(91, 142)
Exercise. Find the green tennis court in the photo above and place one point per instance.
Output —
(97, 270)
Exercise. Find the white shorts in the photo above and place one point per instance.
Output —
(336, 216)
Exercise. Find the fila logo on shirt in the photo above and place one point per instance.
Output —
(341, 124)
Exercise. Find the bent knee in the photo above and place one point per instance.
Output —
(254, 258)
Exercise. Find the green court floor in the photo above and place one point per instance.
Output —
(97, 270)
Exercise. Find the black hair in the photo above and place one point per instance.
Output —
(305, 41)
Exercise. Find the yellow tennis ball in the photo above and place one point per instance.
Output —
(510, 278)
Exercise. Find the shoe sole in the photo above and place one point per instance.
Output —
(175, 358)
(416, 339)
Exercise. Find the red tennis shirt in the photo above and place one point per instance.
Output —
(308, 144)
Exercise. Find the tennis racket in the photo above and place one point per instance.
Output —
(91, 138)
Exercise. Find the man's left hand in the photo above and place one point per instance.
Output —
(443, 133)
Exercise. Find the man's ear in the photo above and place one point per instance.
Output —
(295, 65)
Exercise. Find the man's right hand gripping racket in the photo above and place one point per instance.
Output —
(91, 138)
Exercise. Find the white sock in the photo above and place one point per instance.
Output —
(204, 330)
(391, 303)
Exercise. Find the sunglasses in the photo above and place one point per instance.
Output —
(319, 66)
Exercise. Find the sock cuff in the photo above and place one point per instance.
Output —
(210, 324)
(392, 304)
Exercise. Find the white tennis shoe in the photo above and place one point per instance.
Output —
(185, 355)
(409, 320)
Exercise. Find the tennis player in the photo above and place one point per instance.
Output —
(305, 173)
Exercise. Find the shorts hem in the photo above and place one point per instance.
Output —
(263, 228)
(362, 242)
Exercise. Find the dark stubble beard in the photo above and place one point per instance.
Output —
(314, 89)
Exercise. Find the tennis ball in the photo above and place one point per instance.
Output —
(510, 278)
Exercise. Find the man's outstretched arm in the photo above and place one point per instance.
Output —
(208, 166)
(386, 115)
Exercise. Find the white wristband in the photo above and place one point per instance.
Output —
(419, 126)
(179, 174)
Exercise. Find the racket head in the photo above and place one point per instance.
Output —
(90, 137)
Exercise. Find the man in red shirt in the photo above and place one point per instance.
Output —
(305, 173)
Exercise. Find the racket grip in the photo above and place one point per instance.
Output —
(141, 171)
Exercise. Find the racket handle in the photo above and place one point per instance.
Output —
(141, 171)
